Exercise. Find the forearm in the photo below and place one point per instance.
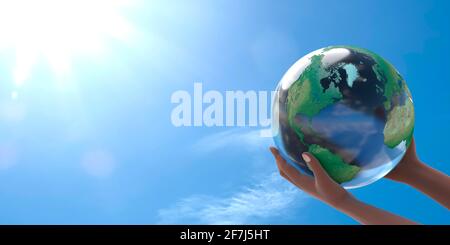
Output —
(370, 215)
(431, 182)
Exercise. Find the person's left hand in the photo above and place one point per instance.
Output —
(320, 186)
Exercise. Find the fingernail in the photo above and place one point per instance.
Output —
(306, 157)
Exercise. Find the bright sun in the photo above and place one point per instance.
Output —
(58, 30)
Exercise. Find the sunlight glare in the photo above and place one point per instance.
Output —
(58, 30)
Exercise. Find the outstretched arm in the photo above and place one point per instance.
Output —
(424, 178)
(325, 189)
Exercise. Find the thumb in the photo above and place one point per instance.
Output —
(314, 165)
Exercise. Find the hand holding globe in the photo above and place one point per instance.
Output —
(345, 116)
(325, 189)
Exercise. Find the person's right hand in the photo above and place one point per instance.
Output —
(406, 166)
(413, 172)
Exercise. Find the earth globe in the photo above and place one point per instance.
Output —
(347, 106)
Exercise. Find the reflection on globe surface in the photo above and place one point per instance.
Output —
(347, 106)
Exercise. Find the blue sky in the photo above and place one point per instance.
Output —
(96, 145)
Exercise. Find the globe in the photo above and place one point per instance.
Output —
(348, 107)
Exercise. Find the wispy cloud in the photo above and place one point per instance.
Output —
(269, 198)
(244, 140)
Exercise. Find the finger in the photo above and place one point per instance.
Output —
(281, 162)
(314, 165)
(278, 158)
(275, 152)
(300, 180)
(283, 166)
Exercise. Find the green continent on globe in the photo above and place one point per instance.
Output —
(399, 125)
(336, 167)
(307, 96)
